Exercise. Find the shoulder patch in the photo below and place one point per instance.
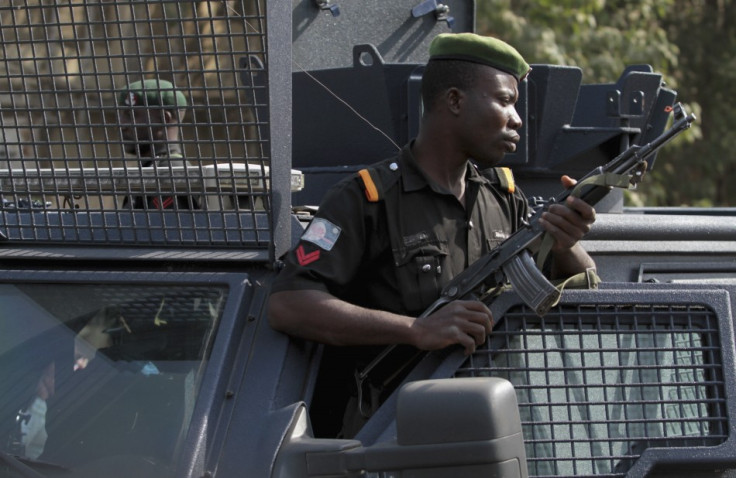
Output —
(322, 233)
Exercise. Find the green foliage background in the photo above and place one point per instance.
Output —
(692, 43)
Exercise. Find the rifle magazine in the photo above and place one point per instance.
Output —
(530, 284)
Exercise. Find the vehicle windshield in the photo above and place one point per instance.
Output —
(92, 373)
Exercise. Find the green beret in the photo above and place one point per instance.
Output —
(479, 49)
(152, 92)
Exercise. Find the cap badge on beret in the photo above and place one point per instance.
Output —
(131, 99)
(479, 49)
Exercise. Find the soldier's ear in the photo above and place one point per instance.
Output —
(168, 117)
(453, 99)
(174, 116)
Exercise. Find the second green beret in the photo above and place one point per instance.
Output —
(152, 93)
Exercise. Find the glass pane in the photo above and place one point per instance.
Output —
(598, 385)
(93, 373)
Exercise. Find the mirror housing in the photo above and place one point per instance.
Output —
(466, 427)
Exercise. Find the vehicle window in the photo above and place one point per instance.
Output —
(97, 371)
(598, 385)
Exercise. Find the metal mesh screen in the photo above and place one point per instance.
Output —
(597, 385)
(76, 170)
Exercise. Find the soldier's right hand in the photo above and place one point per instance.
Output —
(463, 322)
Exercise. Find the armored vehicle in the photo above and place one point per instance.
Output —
(135, 342)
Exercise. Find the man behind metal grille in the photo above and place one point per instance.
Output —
(149, 116)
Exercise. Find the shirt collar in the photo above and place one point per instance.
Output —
(415, 179)
(163, 153)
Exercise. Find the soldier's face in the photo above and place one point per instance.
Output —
(490, 120)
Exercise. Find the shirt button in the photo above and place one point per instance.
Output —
(426, 268)
(470, 224)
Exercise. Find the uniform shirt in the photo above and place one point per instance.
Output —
(169, 157)
(396, 254)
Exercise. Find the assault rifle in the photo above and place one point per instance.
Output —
(512, 263)
(512, 259)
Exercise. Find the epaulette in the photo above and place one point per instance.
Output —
(503, 177)
(371, 184)
(170, 155)
(379, 179)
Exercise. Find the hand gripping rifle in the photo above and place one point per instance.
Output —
(511, 261)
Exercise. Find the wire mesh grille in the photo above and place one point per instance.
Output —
(83, 165)
(597, 385)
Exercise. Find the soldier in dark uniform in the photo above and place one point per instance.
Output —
(149, 115)
(385, 241)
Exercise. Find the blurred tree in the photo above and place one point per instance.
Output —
(704, 170)
(688, 42)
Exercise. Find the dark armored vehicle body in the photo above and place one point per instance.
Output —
(136, 342)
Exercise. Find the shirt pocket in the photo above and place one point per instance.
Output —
(420, 270)
(496, 239)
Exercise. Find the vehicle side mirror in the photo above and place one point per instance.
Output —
(467, 427)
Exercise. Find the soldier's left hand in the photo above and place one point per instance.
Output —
(567, 223)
